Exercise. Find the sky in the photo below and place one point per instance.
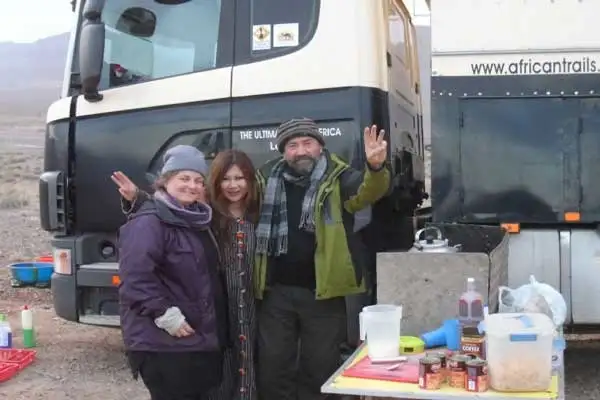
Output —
(419, 11)
(30, 20)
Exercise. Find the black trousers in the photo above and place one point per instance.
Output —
(177, 375)
(287, 315)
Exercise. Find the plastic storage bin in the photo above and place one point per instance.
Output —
(519, 351)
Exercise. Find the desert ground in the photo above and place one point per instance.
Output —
(83, 362)
(73, 361)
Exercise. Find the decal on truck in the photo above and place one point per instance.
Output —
(260, 141)
(530, 64)
(271, 134)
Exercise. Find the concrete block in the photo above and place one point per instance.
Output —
(428, 285)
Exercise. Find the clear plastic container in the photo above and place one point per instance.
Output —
(519, 351)
(382, 328)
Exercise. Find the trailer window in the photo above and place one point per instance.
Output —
(149, 40)
(272, 28)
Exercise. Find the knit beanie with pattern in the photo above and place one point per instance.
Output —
(297, 127)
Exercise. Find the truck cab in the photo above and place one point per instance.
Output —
(145, 75)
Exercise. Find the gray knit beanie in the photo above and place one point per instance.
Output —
(184, 158)
(297, 127)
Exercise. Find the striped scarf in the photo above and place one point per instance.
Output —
(272, 229)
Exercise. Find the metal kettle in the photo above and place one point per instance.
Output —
(433, 244)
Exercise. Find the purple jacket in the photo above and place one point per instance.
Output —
(164, 263)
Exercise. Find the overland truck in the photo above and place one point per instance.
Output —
(515, 115)
(145, 75)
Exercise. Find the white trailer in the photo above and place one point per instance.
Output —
(516, 132)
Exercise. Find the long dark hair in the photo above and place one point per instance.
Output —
(218, 168)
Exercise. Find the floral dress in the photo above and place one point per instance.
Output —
(239, 382)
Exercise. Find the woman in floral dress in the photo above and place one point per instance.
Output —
(233, 196)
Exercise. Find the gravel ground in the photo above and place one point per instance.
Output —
(582, 370)
(73, 361)
(82, 362)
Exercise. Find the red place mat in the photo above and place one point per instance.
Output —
(407, 372)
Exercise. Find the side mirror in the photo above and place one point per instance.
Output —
(91, 49)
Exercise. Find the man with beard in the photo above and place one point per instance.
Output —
(309, 257)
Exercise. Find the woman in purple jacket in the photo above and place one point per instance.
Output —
(231, 187)
(172, 300)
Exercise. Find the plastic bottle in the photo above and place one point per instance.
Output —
(5, 333)
(470, 306)
(27, 326)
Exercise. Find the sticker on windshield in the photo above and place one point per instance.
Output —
(285, 35)
(261, 37)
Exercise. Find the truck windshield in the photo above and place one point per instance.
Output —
(146, 40)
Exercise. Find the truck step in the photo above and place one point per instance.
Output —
(101, 320)
(103, 266)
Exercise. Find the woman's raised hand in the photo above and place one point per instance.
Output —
(126, 187)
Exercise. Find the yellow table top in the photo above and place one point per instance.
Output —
(341, 382)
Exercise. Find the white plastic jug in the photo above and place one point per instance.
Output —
(380, 324)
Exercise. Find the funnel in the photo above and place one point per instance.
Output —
(446, 335)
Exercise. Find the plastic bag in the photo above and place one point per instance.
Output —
(534, 297)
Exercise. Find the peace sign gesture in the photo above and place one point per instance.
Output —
(126, 187)
(375, 147)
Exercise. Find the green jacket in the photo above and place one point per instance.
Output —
(341, 256)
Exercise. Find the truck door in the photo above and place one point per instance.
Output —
(518, 159)
(166, 80)
(403, 80)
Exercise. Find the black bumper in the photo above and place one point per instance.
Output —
(68, 291)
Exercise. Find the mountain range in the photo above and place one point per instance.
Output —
(31, 75)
